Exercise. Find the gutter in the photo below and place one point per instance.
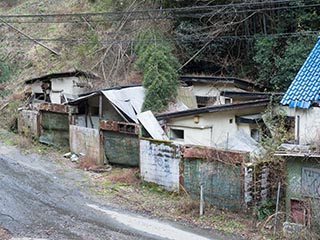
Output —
(210, 109)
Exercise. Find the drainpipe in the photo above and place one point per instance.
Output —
(100, 107)
(298, 130)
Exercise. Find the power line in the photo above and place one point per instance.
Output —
(148, 11)
(202, 39)
(163, 17)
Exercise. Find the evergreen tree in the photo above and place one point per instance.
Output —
(159, 69)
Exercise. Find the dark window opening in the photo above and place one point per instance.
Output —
(227, 100)
(255, 134)
(177, 134)
(205, 101)
(127, 128)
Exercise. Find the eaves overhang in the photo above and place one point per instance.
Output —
(216, 108)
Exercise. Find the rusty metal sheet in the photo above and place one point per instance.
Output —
(213, 154)
(124, 127)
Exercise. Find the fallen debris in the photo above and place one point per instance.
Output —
(100, 169)
(72, 156)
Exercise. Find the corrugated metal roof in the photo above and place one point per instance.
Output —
(305, 88)
(70, 73)
(128, 100)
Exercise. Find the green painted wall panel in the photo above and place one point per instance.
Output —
(54, 129)
(121, 148)
(298, 189)
(222, 182)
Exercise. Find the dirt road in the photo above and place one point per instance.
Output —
(42, 199)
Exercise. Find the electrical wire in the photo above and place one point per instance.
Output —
(164, 17)
(203, 39)
(147, 11)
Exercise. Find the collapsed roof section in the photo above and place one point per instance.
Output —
(70, 73)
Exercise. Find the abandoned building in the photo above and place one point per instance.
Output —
(113, 114)
(301, 103)
(234, 126)
(46, 117)
(202, 138)
(60, 87)
(213, 90)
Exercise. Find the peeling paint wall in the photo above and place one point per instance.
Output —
(54, 128)
(85, 141)
(28, 123)
(159, 163)
(303, 184)
(222, 183)
(219, 172)
(121, 148)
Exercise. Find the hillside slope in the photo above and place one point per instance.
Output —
(88, 42)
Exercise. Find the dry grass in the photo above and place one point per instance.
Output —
(123, 187)
(87, 162)
(126, 175)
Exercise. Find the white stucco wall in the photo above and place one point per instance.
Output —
(60, 85)
(213, 90)
(159, 163)
(36, 87)
(67, 85)
(307, 128)
(213, 129)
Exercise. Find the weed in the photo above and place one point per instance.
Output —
(188, 206)
(152, 187)
(223, 223)
(265, 210)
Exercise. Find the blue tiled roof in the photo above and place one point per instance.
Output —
(305, 88)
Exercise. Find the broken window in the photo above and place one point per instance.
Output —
(255, 134)
(177, 134)
(46, 89)
(205, 101)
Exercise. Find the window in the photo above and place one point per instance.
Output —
(255, 134)
(227, 101)
(177, 134)
(205, 101)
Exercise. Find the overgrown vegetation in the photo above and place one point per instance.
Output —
(6, 71)
(278, 61)
(159, 69)
(267, 44)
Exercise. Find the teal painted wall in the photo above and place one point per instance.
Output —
(223, 183)
(298, 188)
(121, 148)
(54, 129)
